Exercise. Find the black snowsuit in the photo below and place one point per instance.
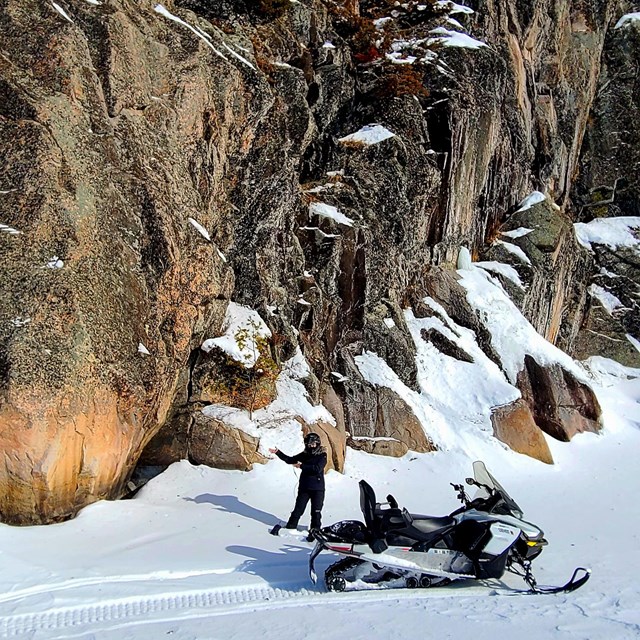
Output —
(310, 486)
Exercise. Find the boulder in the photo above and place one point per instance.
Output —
(218, 445)
(514, 425)
(379, 412)
(561, 405)
(379, 446)
(202, 440)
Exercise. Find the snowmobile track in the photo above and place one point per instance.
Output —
(137, 606)
(220, 601)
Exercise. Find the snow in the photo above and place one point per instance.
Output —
(633, 341)
(321, 234)
(238, 56)
(20, 321)
(369, 134)
(611, 232)
(512, 336)
(627, 19)
(515, 250)
(242, 327)
(163, 12)
(142, 349)
(201, 230)
(323, 187)
(61, 11)
(397, 58)
(503, 269)
(530, 200)
(452, 7)
(379, 23)
(5, 228)
(516, 233)
(54, 263)
(456, 416)
(278, 423)
(450, 38)
(464, 258)
(324, 210)
(605, 298)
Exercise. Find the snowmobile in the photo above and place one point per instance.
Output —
(481, 540)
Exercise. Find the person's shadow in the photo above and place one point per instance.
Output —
(287, 568)
(231, 504)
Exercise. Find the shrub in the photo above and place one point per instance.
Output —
(272, 8)
(401, 80)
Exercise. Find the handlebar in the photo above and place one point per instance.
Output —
(461, 495)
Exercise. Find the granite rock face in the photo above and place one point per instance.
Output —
(159, 162)
(608, 186)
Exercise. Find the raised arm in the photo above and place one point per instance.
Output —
(283, 456)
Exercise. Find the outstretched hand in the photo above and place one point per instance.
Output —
(273, 450)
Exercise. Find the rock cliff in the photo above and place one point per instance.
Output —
(320, 162)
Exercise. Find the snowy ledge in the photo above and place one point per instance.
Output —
(324, 210)
(243, 327)
(450, 38)
(532, 199)
(610, 232)
(605, 298)
(369, 134)
(627, 19)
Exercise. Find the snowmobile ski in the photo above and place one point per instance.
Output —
(574, 583)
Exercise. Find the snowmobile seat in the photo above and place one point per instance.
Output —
(426, 529)
(373, 517)
(369, 507)
(429, 524)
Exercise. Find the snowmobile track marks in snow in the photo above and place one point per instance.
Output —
(213, 602)
(118, 610)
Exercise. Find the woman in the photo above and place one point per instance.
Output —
(311, 462)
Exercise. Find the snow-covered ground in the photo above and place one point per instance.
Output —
(191, 556)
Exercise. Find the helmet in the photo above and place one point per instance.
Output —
(312, 440)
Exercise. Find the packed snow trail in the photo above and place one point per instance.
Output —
(215, 602)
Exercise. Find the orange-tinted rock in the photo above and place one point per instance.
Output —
(333, 440)
(514, 425)
(59, 457)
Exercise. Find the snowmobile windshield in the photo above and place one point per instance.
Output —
(507, 505)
